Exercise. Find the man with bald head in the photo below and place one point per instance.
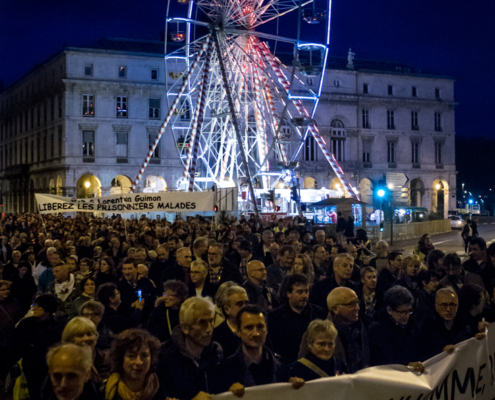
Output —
(69, 368)
(352, 345)
(256, 288)
(444, 330)
(181, 270)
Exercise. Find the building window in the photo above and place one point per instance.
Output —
(88, 143)
(366, 88)
(121, 106)
(310, 81)
(310, 150)
(52, 145)
(60, 142)
(391, 152)
(121, 144)
(338, 140)
(151, 140)
(438, 153)
(88, 105)
(38, 116)
(154, 74)
(415, 152)
(88, 70)
(367, 151)
(390, 90)
(438, 122)
(390, 119)
(123, 72)
(366, 119)
(52, 109)
(60, 106)
(154, 108)
(437, 93)
(414, 121)
(414, 91)
(185, 110)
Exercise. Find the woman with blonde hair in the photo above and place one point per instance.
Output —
(411, 265)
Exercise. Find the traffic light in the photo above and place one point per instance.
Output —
(381, 226)
(277, 208)
(215, 208)
(293, 193)
(272, 196)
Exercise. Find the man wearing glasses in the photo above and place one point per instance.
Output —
(255, 285)
(443, 331)
(220, 270)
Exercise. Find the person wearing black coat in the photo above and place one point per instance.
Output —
(162, 322)
(163, 260)
(221, 270)
(23, 286)
(391, 335)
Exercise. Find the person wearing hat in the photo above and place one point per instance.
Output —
(33, 337)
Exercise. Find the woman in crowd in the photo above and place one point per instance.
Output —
(72, 264)
(424, 247)
(303, 265)
(23, 286)
(106, 272)
(411, 266)
(319, 361)
(134, 357)
(88, 292)
(82, 331)
(349, 229)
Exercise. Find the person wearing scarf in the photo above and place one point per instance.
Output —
(64, 288)
(134, 356)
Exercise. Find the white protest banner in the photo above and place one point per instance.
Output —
(468, 373)
(128, 203)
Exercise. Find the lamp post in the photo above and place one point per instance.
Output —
(380, 194)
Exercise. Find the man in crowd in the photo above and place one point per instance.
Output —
(199, 287)
(428, 281)
(288, 322)
(245, 251)
(115, 251)
(94, 310)
(233, 300)
(220, 270)
(457, 276)
(277, 272)
(342, 271)
(390, 274)
(320, 237)
(262, 250)
(381, 260)
(10, 269)
(200, 248)
(320, 260)
(257, 290)
(46, 266)
(181, 270)
(64, 288)
(159, 265)
(478, 259)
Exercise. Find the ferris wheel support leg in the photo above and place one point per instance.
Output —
(169, 114)
(234, 121)
(198, 120)
(314, 130)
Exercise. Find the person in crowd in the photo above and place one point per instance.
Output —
(47, 277)
(245, 251)
(320, 237)
(165, 316)
(307, 239)
(94, 310)
(277, 272)
(200, 248)
(142, 272)
(235, 298)
(88, 292)
(478, 259)
(341, 277)
(254, 363)
(12, 266)
(467, 234)
(280, 228)
(220, 270)
(389, 275)
(391, 335)
(133, 289)
(349, 229)
(82, 331)
(32, 339)
(69, 367)
(199, 286)
(257, 290)
(444, 330)
(428, 281)
(64, 288)
(296, 312)
(303, 265)
(352, 347)
(335, 250)
(10, 313)
(320, 260)
(411, 266)
(163, 260)
(472, 301)
(424, 247)
(181, 270)
(318, 362)
(23, 286)
(106, 272)
(381, 260)
(113, 317)
(371, 298)
(262, 250)
(435, 262)
(457, 276)
(340, 228)
(115, 252)
(488, 273)
(189, 362)
(134, 358)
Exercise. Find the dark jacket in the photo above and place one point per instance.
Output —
(320, 291)
(174, 272)
(331, 367)
(105, 336)
(341, 224)
(156, 270)
(180, 376)
(385, 280)
(23, 289)
(3, 259)
(275, 274)
(466, 277)
(118, 322)
(409, 283)
(269, 370)
(102, 278)
(390, 343)
(224, 336)
(261, 295)
(209, 290)
(129, 295)
(433, 336)
(424, 307)
(90, 391)
(286, 328)
(352, 346)
(162, 322)
(230, 272)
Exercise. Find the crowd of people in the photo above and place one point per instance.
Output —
(94, 308)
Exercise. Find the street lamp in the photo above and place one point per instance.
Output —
(87, 184)
(437, 186)
(380, 194)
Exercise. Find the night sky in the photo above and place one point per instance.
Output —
(445, 37)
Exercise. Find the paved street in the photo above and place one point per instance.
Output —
(452, 241)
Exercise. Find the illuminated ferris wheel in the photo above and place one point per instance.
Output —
(233, 105)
